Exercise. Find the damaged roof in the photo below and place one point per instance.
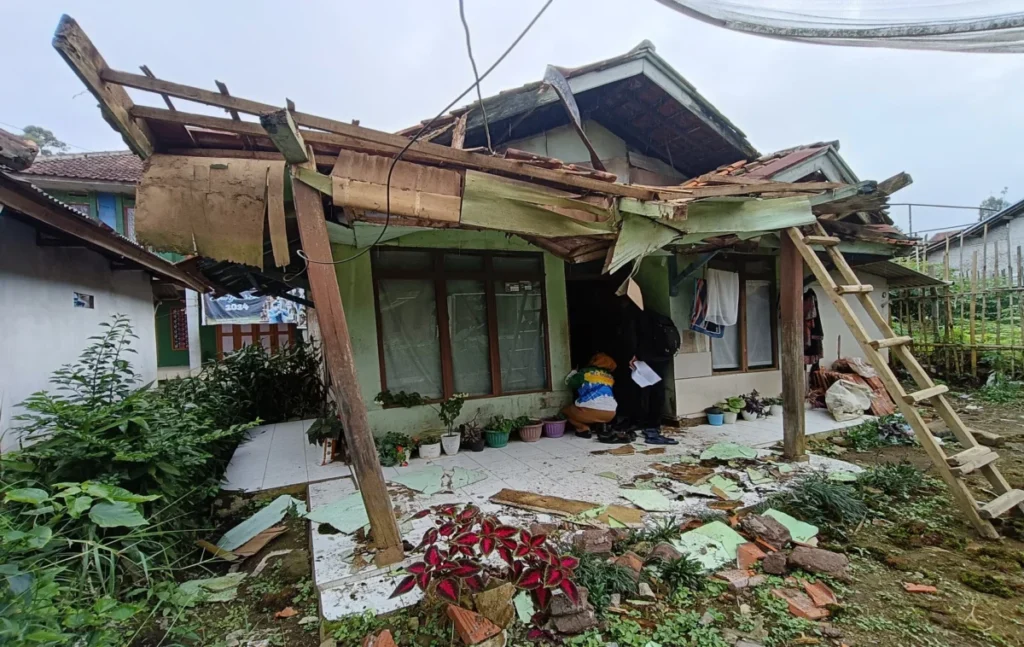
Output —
(638, 96)
(773, 164)
(105, 166)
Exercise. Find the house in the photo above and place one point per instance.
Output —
(61, 275)
(1000, 234)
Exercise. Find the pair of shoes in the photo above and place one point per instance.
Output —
(615, 437)
(653, 436)
(583, 434)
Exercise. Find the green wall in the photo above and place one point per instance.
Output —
(356, 286)
(166, 356)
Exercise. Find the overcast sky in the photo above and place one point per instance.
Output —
(953, 121)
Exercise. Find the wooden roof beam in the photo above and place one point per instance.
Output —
(81, 55)
(285, 134)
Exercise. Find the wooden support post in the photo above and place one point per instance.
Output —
(337, 345)
(794, 384)
(459, 132)
(974, 310)
(81, 55)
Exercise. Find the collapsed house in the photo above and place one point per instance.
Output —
(458, 269)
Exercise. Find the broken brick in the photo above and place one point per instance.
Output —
(737, 579)
(800, 604)
(383, 639)
(817, 560)
(910, 587)
(774, 563)
(596, 542)
(472, 627)
(748, 554)
(821, 595)
(631, 561)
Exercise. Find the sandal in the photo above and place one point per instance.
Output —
(654, 437)
(613, 438)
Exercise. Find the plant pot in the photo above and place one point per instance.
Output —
(554, 428)
(496, 438)
(531, 433)
(451, 444)
(748, 415)
(430, 450)
(729, 417)
(715, 419)
(775, 410)
(478, 445)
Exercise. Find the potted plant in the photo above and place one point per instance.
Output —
(473, 436)
(731, 408)
(429, 444)
(531, 430)
(393, 449)
(714, 416)
(447, 412)
(753, 408)
(554, 427)
(774, 406)
(497, 431)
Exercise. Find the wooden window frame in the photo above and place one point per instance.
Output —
(488, 275)
(234, 331)
(738, 265)
(172, 312)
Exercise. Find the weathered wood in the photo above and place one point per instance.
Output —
(925, 394)
(16, 153)
(337, 345)
(975, 464)
(285, 134)
(794, 385)
(824, 241)
(878, 344)
(459, 133)
(854, 289)
(276, 224)
(81, 55)
(974, 307)
(1001, 504)
(167, 100)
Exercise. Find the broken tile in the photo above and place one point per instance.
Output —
(759, 477)
(820, 593)
(728, 452)
(818, 560)
(800, 604)
(649, 500)
(910, 587)
(472, 627)
(525, 608)
(748, 554)
(561, 605)
(268, 516)
(724, 487)
(737, 579)
(426, 480)
(713, 545)
(800, 531)
(461, 477)
(631, 561)
(383, 639)
(609, 475)
(346, 515)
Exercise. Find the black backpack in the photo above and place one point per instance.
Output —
(664, 339)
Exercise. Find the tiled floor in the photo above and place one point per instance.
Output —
(276, 456)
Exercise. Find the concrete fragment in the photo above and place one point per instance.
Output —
(645, 591)
(561, 605)
(768, 529)
(577, 623)
(819, 560)
(543, 528)
(496, 604)
(774, 563)
(736, 578)
(664, 552)
(472, 627)
(596, 542)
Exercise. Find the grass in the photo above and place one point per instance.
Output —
(820, 501)
(683, 573)
(603, 579)
(895, 479)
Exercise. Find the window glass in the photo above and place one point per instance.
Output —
(725, 350)
(759, 324)
(410, 336)
(402, 259)
(464, 262)
(467, 326)
(532, 263)
(520, 335)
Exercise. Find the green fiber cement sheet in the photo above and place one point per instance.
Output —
(345, 515)
(461, 477)
(728, 452)
(426, 480)
(257, 523)
(649, 500)
(713, 545)
(638, 237)
(744, 217)
(211, 589)
(800, 531)
(493, 202)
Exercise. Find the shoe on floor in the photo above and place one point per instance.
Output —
(583, 434)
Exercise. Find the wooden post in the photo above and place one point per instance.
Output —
(974, 309)
(337, 345)
(794, 385)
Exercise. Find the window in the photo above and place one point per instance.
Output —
(460, 322)
(751, 344)
(179, 328)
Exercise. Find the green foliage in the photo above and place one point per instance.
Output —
(449, 411)
(992, 205)
(880, 432)
(666, 529)
(823, 502)
(602, 579)
(400, 399)
(393, 448)
(683, 573)
(686, 630)
(1001, 391)
(502, 424)
(352, 629)
(326, 427)
(45, 139)
(898, 480)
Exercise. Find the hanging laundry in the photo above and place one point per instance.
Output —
(723, 297)
(698, 318)
(814, 334)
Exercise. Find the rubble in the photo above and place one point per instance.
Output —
(910, 587)
(820, 561)
(748, 554)
(820, 594)
(496, 604)
(595, 542)
(631, 561)
(775, 563)
(767, 528)
(472, 627)
(800, 604)
(569, 618)
(664, 552)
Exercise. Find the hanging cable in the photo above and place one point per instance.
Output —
(476, 75)
(387, 189)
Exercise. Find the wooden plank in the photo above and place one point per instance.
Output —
(276, 224)
(167, 100)
(878, 344)
(975, 464)
(372, 141)
(459, 133)
(92, 233)
(854, 289)
(824, 241)
(16, 153)
(337, 345)
(966, 456)
(285, 134)
(794, 382)
(81, 55)
(1001, 504)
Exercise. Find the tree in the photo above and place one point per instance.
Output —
(45, 139)
(993, 205)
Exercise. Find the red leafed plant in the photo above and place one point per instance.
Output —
(468, 536)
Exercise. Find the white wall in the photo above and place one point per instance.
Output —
(41, 330)
(837, 334)
(999, 237)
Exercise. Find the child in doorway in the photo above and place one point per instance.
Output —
(595, 402)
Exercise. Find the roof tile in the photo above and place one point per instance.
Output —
(109, 166)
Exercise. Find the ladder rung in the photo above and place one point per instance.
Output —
(892, 341)
(824, 241)
(978, 462)
(854, 289)
(966, 456)
(924, 394)
(1001, 504)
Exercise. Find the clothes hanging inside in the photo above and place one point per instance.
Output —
(814, 334)
(698, 317)
(723, 297)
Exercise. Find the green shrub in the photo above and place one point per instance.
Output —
(393, 448)
(894, 479)
(683, 573)
(602, 579)
(821, 501)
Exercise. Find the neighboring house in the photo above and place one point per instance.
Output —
(101, 185)
(1005, 232)
(61, 275)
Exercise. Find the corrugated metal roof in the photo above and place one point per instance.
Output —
(899, 276)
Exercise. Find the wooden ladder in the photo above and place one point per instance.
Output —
(953, 469)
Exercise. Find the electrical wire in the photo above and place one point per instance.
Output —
(476, 75)
(387, 189)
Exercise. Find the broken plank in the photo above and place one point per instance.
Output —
(542, 503)
(276, 224)
(285, 134)
(459, 133)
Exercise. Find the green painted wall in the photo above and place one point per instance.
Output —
(166, 356)
(356, 286)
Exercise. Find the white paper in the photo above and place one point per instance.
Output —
(644, 375)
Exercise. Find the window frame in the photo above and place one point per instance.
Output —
(488, 276)
(738, 264)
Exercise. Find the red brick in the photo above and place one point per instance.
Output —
(473, 628)
(383, 639)
(821, 595)
(800, 604)
(748, 554)
(910, 587)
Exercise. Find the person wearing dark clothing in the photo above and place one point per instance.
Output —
(651, 338)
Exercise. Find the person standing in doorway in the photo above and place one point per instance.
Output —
(652, 338)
